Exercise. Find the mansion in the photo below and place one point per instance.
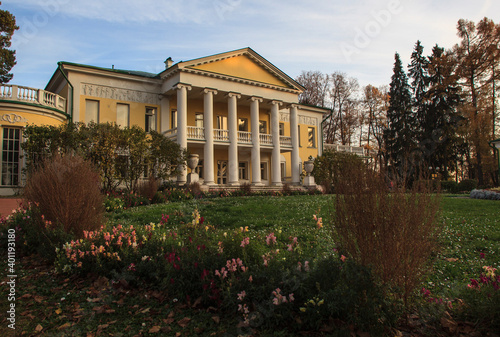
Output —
(235, 110)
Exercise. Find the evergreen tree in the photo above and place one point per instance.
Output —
(7, 56)
(417, 72)
(400, 133)
(440, 142)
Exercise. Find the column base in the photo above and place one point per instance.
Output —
(258, 184)
(277, 184)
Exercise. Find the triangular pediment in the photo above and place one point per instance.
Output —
(242, 64)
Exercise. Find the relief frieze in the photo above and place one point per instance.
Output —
(119, 94)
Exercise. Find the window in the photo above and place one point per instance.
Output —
(243, 171)
(242, 124)
(311, 137)
(150, 123)
(263, 126)
(199, 169)
(91, 111)
(198, 120)
(11, 148)
(283, 170)
(122, 114)
(173, 119)
(222, 122)
(221, 172)
(263, 171)
(298, 133)
(282, 129)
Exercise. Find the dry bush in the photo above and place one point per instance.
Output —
(66, 190)
(246, 188)
(148, 188)
(394, 233)
(195, 189)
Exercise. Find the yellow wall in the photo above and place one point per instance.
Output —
(107, 111)
(242, 67)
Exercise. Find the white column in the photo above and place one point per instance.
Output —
(232, 123)
(294, 134)
(254, 124)
(208, 124)
(182, 125)
(276, 154)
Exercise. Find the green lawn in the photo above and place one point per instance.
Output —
(61, 306)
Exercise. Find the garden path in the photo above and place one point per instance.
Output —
(7, 205)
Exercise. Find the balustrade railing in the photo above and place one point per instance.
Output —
(244, 137)
(31, 95)
(346, 148)
(265, 139)
(221, 135)
(196, 132)
(285, 141)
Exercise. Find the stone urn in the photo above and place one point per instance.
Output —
(309, 166)
(192, 161)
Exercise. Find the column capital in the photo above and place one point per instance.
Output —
(233, 94)
(292, 105)
(276, 102)
(209, 90)
(256, 99)
(186, 86)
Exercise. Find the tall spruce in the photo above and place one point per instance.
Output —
(400, 133)
(7, 56)
(417, 72)
(440, 143)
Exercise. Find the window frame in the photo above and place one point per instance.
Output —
(150, 117)
(11, 156)
(87, 119)
(128, 114)
(311, 142)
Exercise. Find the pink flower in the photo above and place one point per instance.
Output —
(343, 258)
(242, 295)
(250, 279)
(245, 242)
(270, 239)
(131, 267)
(306, 266)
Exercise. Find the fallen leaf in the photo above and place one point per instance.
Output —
(58, 311)
(64, 326)
(26, 296)
(102, 326)
(109, 311)
(197, 302)
(451, 259)
(145, 311)
(38, 328)
(216, 319)
(169, 320)
(93, 300)
(38, 299)
(155, 329)
(184, 322)
(449, 324)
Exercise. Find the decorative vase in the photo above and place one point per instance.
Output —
(309, 167)
(192, 161)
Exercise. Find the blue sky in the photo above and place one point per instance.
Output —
(358, 37)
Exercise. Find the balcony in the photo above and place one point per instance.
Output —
(360, 151)
(17, 93)
(197, 134)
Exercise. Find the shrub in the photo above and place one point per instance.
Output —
(329, 166)
(392, 232)
(148, 188)
(450, 186)
(467, 185)
(66, 192)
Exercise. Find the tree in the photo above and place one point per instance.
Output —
(439, 141)
(316, 86)
(400, 133)
(339, 125)
(417, 72)
(7, 56)
(478, 55)
(375, 101)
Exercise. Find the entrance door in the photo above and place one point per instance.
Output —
(222, 172)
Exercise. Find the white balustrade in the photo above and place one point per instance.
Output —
(221, 135)
(266, 139)
(346, 148)
(286, 141)
(244, 137)
(32, 95)
(195, 132)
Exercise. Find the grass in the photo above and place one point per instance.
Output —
(60, 306)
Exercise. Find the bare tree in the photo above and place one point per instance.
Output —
(316, 85)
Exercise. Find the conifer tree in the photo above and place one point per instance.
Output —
(417, 72)
(440, 142)
(400, 133)
(7, 56)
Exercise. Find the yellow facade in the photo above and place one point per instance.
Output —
(253, 106)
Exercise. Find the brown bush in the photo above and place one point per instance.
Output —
(148, 188)
(66, 190)
(393, 232)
